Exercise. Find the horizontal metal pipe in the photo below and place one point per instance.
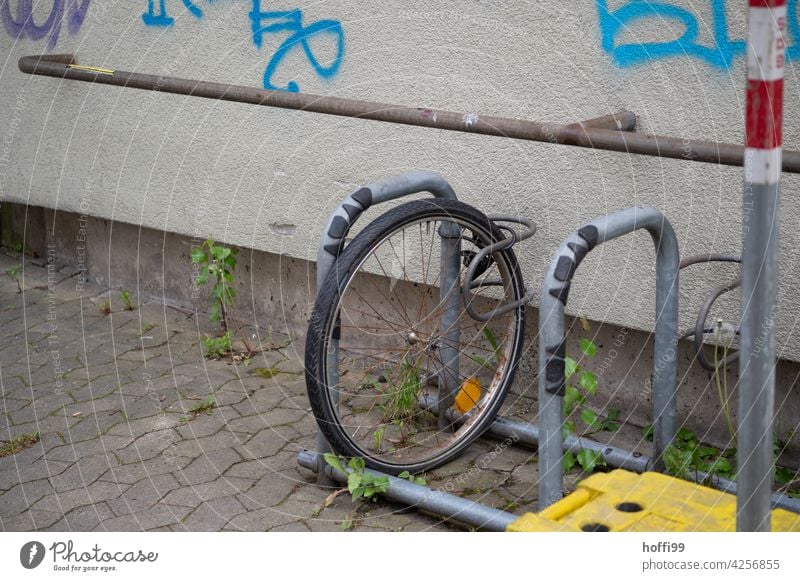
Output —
(528, 435)
(622, 121)
(574, 134)
(438, 502)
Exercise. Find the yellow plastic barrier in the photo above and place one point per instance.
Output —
(625, 501)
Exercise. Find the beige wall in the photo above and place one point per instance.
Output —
(267, 178)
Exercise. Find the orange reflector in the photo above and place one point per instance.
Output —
(468, 395)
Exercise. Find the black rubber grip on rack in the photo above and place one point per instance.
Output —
(363, 197)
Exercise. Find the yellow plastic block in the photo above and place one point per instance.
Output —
(625, 501)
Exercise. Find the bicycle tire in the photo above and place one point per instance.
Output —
(352, 269)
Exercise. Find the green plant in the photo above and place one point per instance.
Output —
(788, 481)
(402, 398)
(360, 483)
(580, 385)
(216, 347)
(126, 300)
(721, 380)
(18, 444)
(406, 475)
(217, 262)
(147, 327)
(266, 372)
(13, 272)
(687, 454)
(207, 406)
(490, 364)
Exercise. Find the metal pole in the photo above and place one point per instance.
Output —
(552, 338)
(526, 434)
(450, 332)
(576, 134)
(437, 502)
(765, 60)
(622, 121)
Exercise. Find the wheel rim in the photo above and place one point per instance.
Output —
(387, 361)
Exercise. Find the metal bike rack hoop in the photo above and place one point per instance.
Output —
(552, 337)
(345, 215)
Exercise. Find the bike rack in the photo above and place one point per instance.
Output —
(548, 438)
(552, 336)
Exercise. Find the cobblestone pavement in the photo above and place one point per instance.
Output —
(110, 396)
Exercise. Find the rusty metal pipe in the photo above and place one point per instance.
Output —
(575, 134)
(622, 121)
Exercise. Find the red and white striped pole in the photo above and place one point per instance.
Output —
(763, 146)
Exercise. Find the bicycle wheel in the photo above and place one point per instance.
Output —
(377, 345)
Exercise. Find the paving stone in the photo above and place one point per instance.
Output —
(250, 469)
(92, 426)
(153, 518)
(148, 446)
(266, 443)
(199, 446)
(87, 518)
(142, 426)
(213, 515)
(30, 520)
(143, 495)
(29, 472)
(295, 527)
(260, 520)
(270, 490)
(64, 502)
(204, 425)
(20, 497)
(134, 472)
(83, 472)
(208, 467)
(221, 487)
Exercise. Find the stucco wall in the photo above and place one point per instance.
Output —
(268, 178)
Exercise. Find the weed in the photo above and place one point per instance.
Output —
(788, 481)
(216, 347)
(13, 272)
(126, 300)
(219, 262)
(266, 372)
(582, 384)
(360, 483)
(377, 438)
(105, 307)
(402, 399)
(721, 380)
(494, 362)
(21, 442)
(147, 327)
(406, 475)
(203, 407)
(686, 454)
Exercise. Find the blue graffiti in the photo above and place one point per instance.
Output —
(263, 23)
(292, 21)
(22, 24)
(721, 54)
(156, 14)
